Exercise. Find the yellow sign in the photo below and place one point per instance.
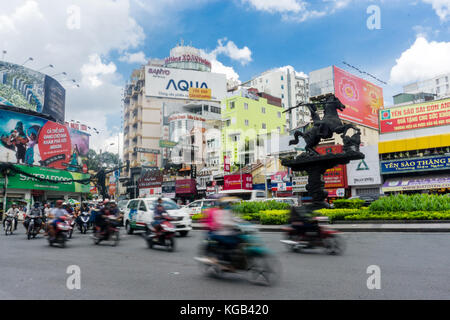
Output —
(200, 93)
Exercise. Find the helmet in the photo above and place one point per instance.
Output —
(37, 204)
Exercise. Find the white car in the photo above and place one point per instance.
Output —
(197, 206)
(139, 213)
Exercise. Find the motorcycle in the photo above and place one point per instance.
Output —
(33, 227)
(72, 226)
(84, 222)
(62, 229)
(250, 257)
(165, 237)
(9, 224)
(319, 236)
(112, 232)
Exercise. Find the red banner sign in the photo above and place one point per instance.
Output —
(423, 115)
(186, 186)
(226, 164)
(361, 98)
(234, 182)
(337, 176)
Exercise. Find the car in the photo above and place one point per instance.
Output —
(139, 213)
(122, 204)
(290, 201)
(198, 206)
(246, 195)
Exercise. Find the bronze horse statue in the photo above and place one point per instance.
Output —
(325, 127)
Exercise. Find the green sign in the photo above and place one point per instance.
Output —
(167, 144)
(61, 177)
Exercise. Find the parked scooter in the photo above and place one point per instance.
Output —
(111, 233)
(250, 256)
(164, 237)
(316, 236)
(62, 229)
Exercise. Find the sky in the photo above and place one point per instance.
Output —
(98, 43)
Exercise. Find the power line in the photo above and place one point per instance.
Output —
(364, 72)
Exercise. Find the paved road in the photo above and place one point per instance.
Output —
(413, 266)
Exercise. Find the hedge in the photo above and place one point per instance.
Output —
(274, 217)
(407, 203)
(256, 207)
(348, 203)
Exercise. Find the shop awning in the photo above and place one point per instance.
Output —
(417, 183)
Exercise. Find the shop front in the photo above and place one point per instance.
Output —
(422, 184)
(27, 186)
(281, 185)
(186, 190)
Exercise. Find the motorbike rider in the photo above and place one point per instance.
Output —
(222, 227)
(301, 221)
(36, 211)
(158, 216)
(101, 217)
(84, 209)
(56, 214)
(14, 210)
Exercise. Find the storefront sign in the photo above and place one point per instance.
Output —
(365, 171)
(199, 94)
(148, 192)
(151, 179)
(419, 164)
(167, 144)
(299, 184)
(421, 183)
(60, 178)
(336, 193)
(186, 186)
(423, 115)
(234, 182)
(146, 150)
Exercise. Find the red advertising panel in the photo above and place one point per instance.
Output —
(226, 164)
(185, 186)
(361, 98)
(233, 182)
(54, 145)
(423, 115)
(337, 176)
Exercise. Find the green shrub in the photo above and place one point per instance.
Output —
(415, 202)
(365, 214)
(274, 217)
(348, 203)
(255, 207)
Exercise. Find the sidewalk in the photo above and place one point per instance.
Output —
(364, 227)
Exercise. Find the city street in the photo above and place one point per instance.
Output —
(413, 266)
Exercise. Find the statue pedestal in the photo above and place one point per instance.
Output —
(315, 166)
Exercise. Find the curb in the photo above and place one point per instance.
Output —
(357, 229)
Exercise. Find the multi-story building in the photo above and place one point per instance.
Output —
(439, 86)
(290, 86)
(249, 119)
(180, 83)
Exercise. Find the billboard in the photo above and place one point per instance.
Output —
(186, 186)
(416, 116)
(36, 141)
(365, 171)
(335, 177)
(178, 83)
(361, 98)
(25, 88)
(233, 182)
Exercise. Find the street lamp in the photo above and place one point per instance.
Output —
(63, 73)
(49, 66)
(29, 59)
(3, 54)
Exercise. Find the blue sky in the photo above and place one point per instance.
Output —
(100, 42)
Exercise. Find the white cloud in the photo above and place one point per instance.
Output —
(92, 71)
(423, 60)
(291, 69)
(298, 10)
(244, 55)
(273, 6)
(133, 58)
(442, 8)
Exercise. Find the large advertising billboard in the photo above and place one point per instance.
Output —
(416, 116)
(234, 182)
(36, 141)
(365, 171)
(25, 88)
(178, 84)
(361, 98)
(415, 165)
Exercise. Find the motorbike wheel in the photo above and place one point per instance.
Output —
(264, 271)
(334, 245)
(70, 234)
(116, 238)
(170, 244)
(184, 233)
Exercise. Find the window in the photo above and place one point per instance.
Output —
(279, 114)
(179, 124)
(263, 110)
(246, 123)
(437, 81)
(228, 123)
(264, 126)
(282, 96)
(438, 90)
(282, 86)
(282, 78)
(232, 105)
(246, 106)
(446, 79)
(279, 129)
(142, 206)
